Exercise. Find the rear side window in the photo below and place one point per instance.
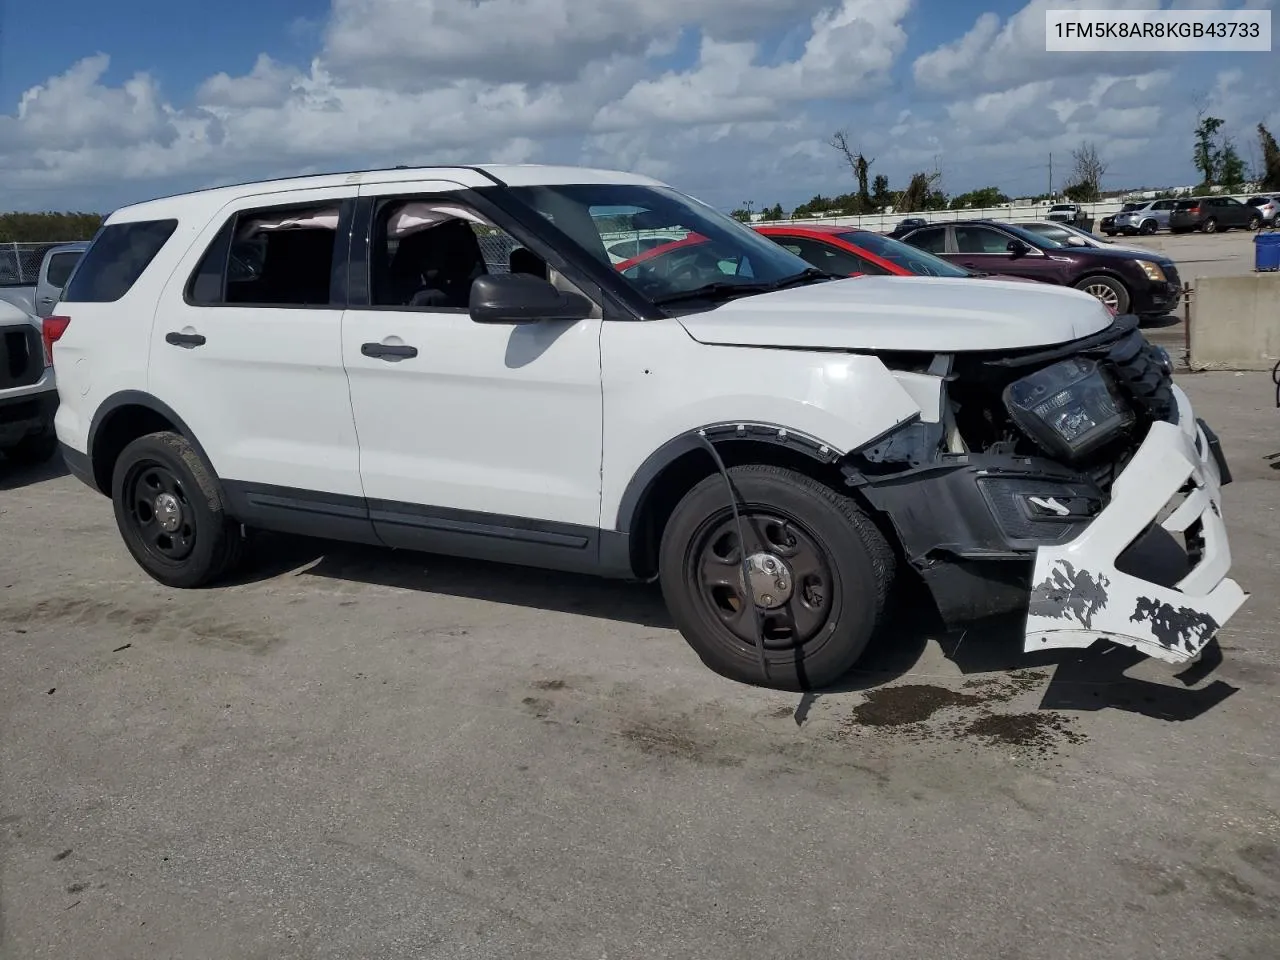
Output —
(116, 259)
(60, 267)
(933, 239)
(276, 256)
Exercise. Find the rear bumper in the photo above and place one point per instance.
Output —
(26, 414)
(1078, 594)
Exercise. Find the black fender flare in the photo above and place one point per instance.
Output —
(139, 398)
(642, 481)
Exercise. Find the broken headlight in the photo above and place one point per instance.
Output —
(1069, 409)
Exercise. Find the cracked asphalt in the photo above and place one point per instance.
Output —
(358, 754)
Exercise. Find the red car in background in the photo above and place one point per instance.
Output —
(840, 251)
(849, 251)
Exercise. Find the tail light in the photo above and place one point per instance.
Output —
(1193, 210)
(52, 329)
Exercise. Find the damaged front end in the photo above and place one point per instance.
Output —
(1073, 483)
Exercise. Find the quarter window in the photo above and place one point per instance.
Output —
(116, 259)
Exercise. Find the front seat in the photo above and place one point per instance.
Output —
(435, 267)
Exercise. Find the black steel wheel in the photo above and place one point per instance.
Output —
(809, 575)
(160, 510)
(170, 512)
(782, 583)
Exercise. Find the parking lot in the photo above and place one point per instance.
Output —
(357, 754)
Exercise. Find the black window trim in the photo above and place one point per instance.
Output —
(338, 272)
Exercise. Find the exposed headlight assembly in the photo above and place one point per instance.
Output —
(1069, 409)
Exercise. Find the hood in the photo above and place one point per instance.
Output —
(934, 314)
(1116, 252)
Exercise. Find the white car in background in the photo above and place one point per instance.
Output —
(1075, 237)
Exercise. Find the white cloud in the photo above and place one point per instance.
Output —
(266, 84)
(401, 43)
(848, 54)
(990, 56)
(414, 81)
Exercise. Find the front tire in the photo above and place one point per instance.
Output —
(1107, 289)
(821, 575)
(170, 512)
(1255, 224)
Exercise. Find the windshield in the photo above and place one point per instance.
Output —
(1062, 208)
(911, 258)
(697, 248)
(1054, 231)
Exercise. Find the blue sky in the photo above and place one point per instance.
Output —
(103, 104)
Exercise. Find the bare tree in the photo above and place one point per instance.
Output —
(859, 164)
(1089, 169)
(921, 188)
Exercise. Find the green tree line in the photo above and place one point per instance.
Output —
(47, 227)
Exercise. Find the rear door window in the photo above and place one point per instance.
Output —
(933, 239)
(275, 256)
(60, 267)
(829, 258)
(116, 259)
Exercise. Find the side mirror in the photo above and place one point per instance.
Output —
(523, 298)
(1018, 248)
(1074, 241)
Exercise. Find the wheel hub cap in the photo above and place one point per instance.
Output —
(168, 512)
(768, 579)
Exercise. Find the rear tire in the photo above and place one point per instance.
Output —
(1210, 226)
(171, 514)
(826, 600)
(1108, 290)
(33, 449)
(1148, 227)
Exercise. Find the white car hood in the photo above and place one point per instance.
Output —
(934, 314)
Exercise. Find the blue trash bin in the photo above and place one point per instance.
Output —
(1266, 250)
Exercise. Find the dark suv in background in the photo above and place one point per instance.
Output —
(1211, 214)
(1127, 282)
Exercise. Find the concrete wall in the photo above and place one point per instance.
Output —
(1235, 322)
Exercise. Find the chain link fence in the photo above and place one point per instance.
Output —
(20, 262)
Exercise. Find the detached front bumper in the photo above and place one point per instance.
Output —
(1079, 596)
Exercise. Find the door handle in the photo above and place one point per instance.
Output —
(388, 351)
(187, 340)
(46, 299)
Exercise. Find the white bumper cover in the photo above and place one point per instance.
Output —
(1078, 596)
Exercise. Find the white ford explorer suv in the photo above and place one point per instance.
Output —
(447, 360)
